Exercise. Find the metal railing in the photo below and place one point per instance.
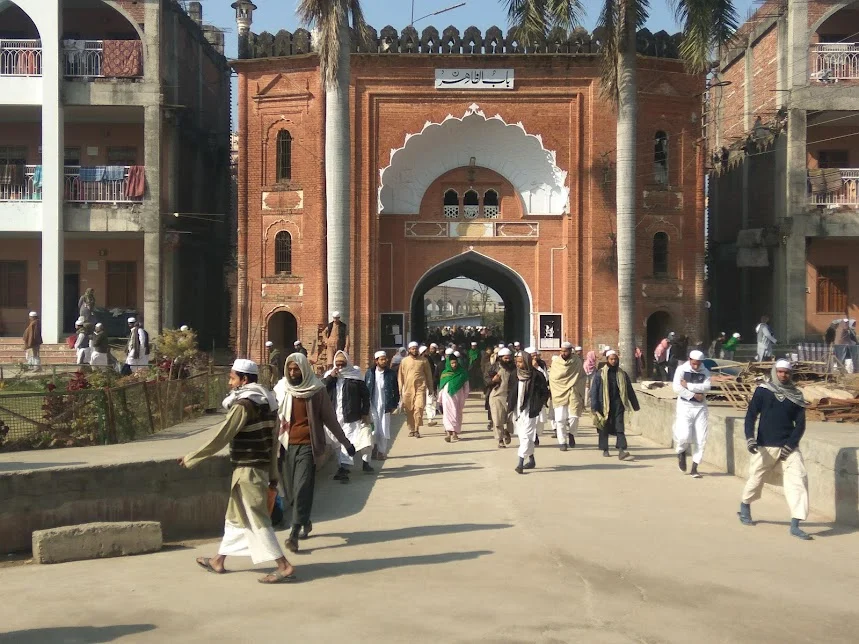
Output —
(20, 57)
(83, 59)
(845, 195)
(26, 191)
(832, 62)
(101, 190)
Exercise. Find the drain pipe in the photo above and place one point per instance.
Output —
(552, 277)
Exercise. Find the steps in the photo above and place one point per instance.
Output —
(12, 353)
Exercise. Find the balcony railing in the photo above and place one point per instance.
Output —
(88, 59)
(834, 187)
(105, 184)
(20, 57)
(832, 62)
(20, 183)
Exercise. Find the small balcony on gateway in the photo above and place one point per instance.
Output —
(834, 54)
(20, 58)
(833, 159)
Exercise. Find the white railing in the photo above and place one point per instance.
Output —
(83, 58)
(103, 190)
(847, 194)
(20, 57)
(472, 229)
(832, 62)
(25, 190)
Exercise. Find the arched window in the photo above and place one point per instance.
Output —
(660, 158)
(451, 204)
(283, 253)
(660, 254)
(284, 155)
(471, 204)
(491, 208)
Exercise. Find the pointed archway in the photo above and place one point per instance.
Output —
(502, 279)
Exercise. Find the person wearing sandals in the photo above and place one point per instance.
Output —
(691, 384)
(351, 399)
(416, 380)
(528, 394)
(612, 396)
(567, 384)
(384, 400)
(453, 392)
(500, 381)
(249, 430)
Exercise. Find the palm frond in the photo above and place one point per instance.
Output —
(533, 19)
(706, 25)
(567, 14)
(327, 16)
(608, 21)
(359, 25)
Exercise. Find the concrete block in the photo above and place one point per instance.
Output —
(96, 540)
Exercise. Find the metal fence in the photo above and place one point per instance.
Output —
(106, 416)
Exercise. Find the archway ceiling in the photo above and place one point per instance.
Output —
(505, 148)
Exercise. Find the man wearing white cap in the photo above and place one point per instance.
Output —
(781, 408)
(82, 343)
(249, 430)
(567, 384)
(351, 400)
(274, 361)
(384, 400)
(100, 347)
(33, 342)
(691, 384)
(766, 339)
(612, 396)
(432, 400)
(138, 346)
(336, 338)
(730, 346)
(501, 379)
(415, 379)
(297, 347)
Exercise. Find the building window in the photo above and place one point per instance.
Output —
(284, 155)
(121, 155)
(660, 254)
(451, 204)
(833, 159)
(121, 285)
(832, 289)
(471, 204)
(660, 158)
(13, 154)
(13, 285)
(72, 156)
(283, 253)
(491, 207)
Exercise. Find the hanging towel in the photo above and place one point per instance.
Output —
(5, 174)
(114, 173)
(12, 174)
(122, 59)
(135, 182)
(37, 177)
(92, 174)
(815, 178)
(832, 179)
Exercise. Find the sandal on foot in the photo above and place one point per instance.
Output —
(206, 564)
(276, 577)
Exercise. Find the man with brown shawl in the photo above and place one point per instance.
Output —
(33, 341)
(336, 338)
(567, 384)
(415, 379)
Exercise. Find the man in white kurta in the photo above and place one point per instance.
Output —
(567, 383)
(349, 395)
(384, 399)
(691, 384)
(138, 346)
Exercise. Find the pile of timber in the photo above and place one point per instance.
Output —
(834, 409)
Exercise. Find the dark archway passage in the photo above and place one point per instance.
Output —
(500, 278)
(283, 331)
(658, 326)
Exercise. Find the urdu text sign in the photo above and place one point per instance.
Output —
(485, 79)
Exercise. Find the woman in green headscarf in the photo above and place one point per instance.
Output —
(453, 392)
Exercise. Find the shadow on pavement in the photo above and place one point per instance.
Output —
(418, 470)
(579, 468)
(402, 458)
(315, 571)
(832, 529)
(15, 467)
(384, 536)
(74, 634)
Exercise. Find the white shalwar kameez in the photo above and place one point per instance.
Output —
(381, 420)
(142, 360)
(82, 349)
(690, 423)
(526, 427)
(352, 430)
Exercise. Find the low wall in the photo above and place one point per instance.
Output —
(830, 451)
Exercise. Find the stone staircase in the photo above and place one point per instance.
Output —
(12, 353)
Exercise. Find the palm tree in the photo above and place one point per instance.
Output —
(334, 45)
(707, 24)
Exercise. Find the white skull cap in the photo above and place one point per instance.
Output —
(567, 345)
(335, 314)
(379, 354)
(696, 355)
(245, 366)
(269, 343)
(505, 352)
(412, 344)
(132, 320)
(737, 335)
(33, 314)
(610, 352)
(783, 364)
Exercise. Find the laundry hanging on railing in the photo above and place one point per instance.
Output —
(37, 177)
(93, 174)
(824, 181)
(11, 174)
(135, 182)
(114, 173)
(122, 59)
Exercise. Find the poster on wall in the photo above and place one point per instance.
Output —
(391, 330)
(550, 331)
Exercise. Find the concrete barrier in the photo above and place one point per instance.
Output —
(96, 540)
(830, 451)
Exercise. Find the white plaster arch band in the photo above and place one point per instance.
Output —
(495, 144)
(835, 8)
(29, 7)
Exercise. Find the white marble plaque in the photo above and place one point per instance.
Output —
(483, 79)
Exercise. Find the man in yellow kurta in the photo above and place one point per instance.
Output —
(567, 384)
(250, 431)
(415, 378)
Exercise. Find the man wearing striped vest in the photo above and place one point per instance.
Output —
(250, 432)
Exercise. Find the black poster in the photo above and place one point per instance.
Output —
(392, 329)
(550, 331)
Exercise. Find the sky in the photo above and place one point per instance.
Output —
(273, 15)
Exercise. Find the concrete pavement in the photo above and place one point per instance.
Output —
(448, 542)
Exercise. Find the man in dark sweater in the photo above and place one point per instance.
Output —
(781, 408)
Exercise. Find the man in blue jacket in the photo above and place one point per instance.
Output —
(384, 400)
(781, 408)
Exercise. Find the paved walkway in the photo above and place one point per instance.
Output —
(448, 543)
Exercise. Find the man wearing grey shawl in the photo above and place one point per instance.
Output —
(781, 408)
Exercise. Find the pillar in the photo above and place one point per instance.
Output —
(152, 248)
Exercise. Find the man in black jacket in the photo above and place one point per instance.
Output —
(384, 399)
(612, 396)
(351, 400)
(781, 408)
(527, 394)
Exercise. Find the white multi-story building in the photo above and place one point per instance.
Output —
(114, 164)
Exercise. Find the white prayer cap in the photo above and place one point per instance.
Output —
(79, 322)
(379, 354)
(99, 326)
(696, 355)
(516, 344)
(456, 354)
(33, 314)
(737, 335)
(433, 345)
(783, 364)
(474, 344)
(577, 348)
(269, 343)
(245, 366)
(297, 343)
(531, 350)
(184, 327)
(422, 350)
(335, 314)
(610, 352)
(502, 346)
(567, 345)
(412, 344)
(505, 352)
(132, 320)
(448, 352)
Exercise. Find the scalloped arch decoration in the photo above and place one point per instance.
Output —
(495, 144)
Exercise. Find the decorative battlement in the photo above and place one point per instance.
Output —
(472, 42)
